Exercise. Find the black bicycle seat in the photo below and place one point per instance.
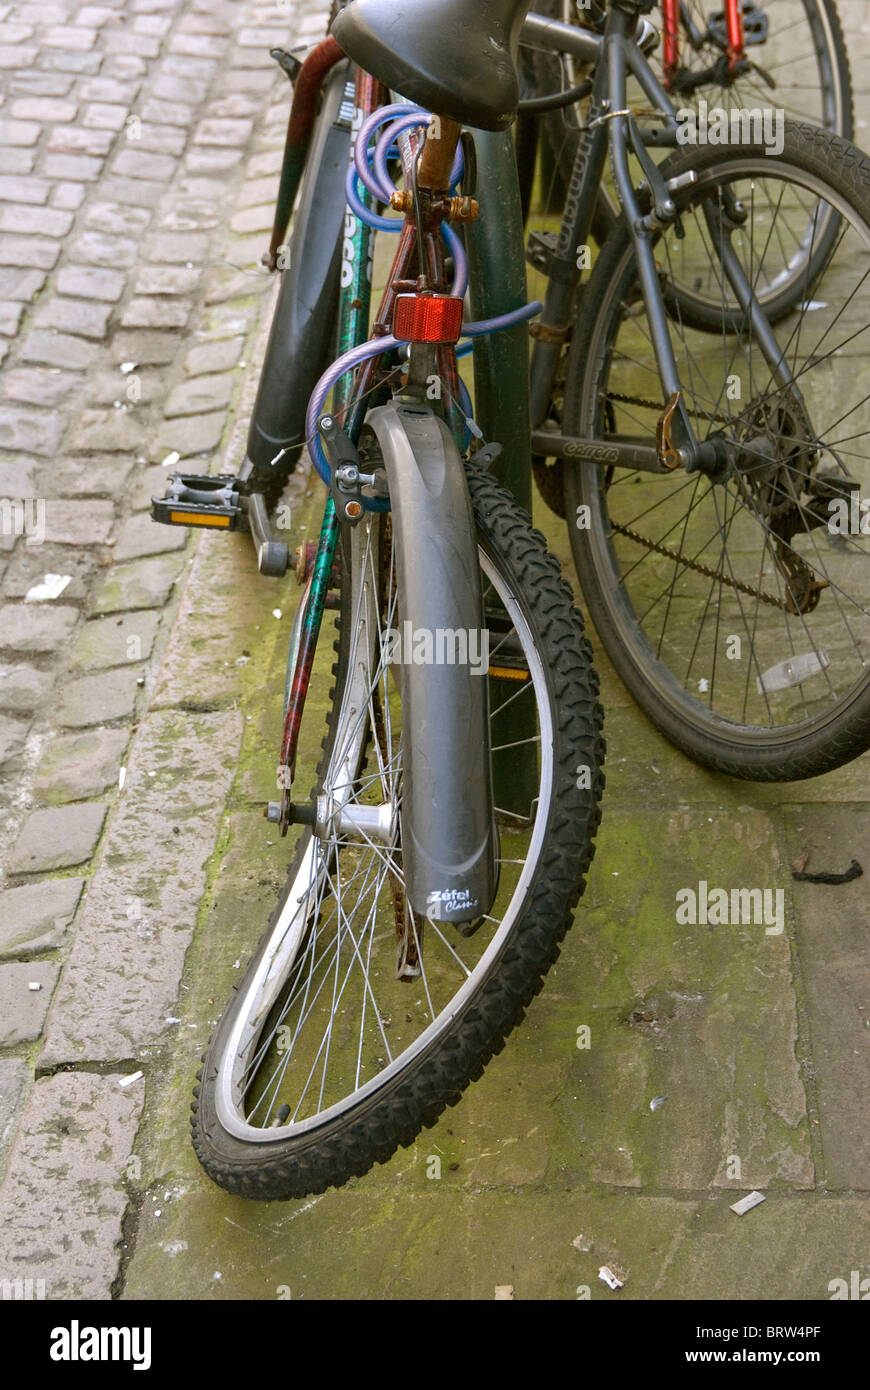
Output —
(454, 57)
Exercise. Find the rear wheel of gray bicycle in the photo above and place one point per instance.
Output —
(737, 609)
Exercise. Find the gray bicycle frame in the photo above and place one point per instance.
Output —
(610, 125)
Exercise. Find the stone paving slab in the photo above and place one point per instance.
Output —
(63, 1200)
(108, 642)
(36, 916)
(120, 981)
(451, 1244)
(57, 838)
(143, 584)
(833, 934)
(99, 698)
(25, 994)
(75, 766)
(15, 1081)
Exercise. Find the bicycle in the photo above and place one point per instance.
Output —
(399, 887)
(742, 57)
(752, 530)
(437, 868)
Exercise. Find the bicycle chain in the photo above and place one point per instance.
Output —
(667, 550)
(698, 567)
(658, 408)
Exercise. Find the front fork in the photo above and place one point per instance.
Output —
(349, 405)
(672, 14)
(354, 306)
(734, 32)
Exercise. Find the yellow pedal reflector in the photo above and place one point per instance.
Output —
(198, 519)
(508, 673)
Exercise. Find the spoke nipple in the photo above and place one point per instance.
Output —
(401, 200)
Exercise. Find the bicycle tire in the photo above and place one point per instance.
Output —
(510, 971)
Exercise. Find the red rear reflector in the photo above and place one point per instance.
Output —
(427, 318)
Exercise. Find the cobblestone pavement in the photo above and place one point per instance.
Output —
(140, 148)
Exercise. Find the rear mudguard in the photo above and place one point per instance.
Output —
(449, 839)
(301, 343)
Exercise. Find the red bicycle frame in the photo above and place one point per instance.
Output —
(671, 36)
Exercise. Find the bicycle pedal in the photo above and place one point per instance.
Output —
(487, 455)
(755, 25)
(542, 252)
(194, 499)
(834, 485)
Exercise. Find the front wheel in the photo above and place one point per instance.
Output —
(357, 1023)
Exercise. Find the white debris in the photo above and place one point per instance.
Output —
(122, 777)
(52, 586)
(129, 367)
(504, 1293)
(128, 1080)
(611, 1280)
(703, 685)
(171, 459)
(657, 1102)
(747, 1203)
(276, 613)
(582, 1242)
(34, 984)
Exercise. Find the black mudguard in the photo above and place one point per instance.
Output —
(301, 343)
(449, 839)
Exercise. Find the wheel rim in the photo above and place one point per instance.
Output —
(799, 48)
(332, 939)
(671, 620)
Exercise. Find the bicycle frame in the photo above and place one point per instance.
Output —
(675, 15)
(611, 127)
(443, 591)
(504, 368)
